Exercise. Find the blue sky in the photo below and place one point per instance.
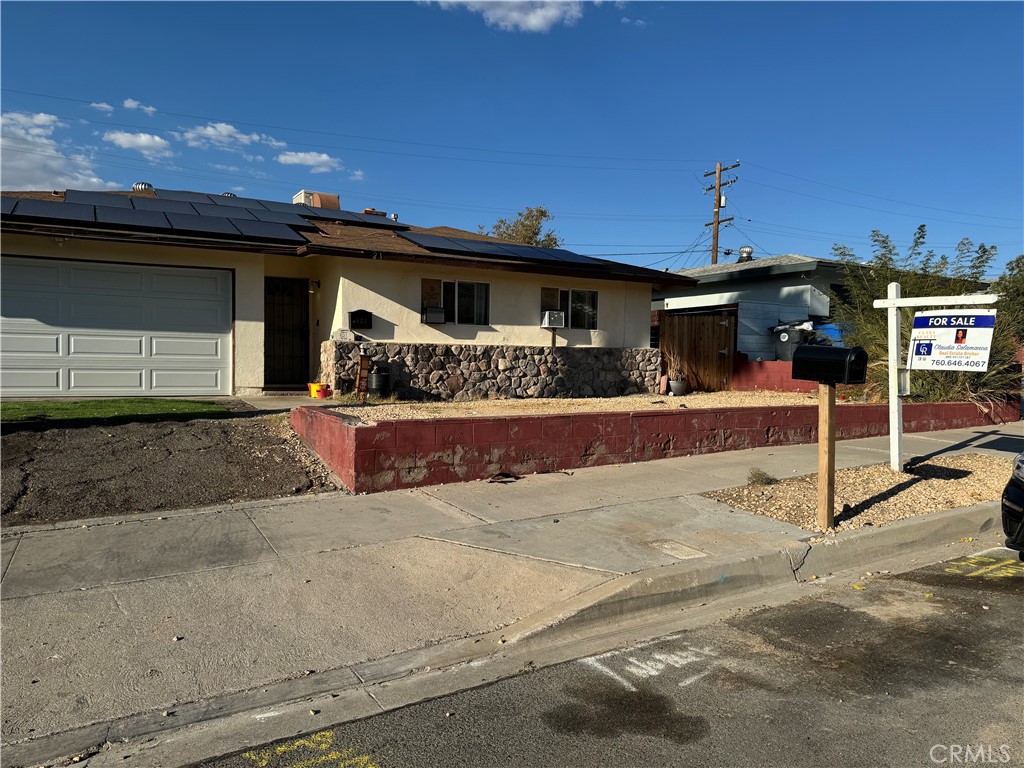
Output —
(846, 117)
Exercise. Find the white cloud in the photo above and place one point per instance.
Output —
(238, 189)
(226, 136)
(31, 159)
(252, 158)
(531, 16)
(133, 104)
(151, 146)
(317, 162)
(225, 168)
(357, 175)
(102, 106)
(634, 22)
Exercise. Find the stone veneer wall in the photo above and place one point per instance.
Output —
(471, 372)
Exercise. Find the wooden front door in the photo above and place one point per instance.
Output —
(286, 333)
(701, 347)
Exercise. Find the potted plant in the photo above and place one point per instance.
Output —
(676, 383)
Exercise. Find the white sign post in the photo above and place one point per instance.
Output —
(893, 303)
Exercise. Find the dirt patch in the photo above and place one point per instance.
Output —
(877, 494)
(49, 475)
(391, 410)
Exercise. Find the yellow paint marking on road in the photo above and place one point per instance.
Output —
(987, 567)
(322, 740)
(1002, 564)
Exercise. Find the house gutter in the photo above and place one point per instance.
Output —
(657, 280)
(93, 234)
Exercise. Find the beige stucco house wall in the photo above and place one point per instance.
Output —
(390, 289)
(392, 292)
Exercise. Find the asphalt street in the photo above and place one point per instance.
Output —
(920, 669)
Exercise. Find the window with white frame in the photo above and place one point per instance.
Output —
(455, 301)
(580, 307)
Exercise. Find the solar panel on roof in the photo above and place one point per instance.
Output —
(129, 217)
(211, 225)
(43, 209)
(332, 214)
(376, 220)
(167, 206)
(8, 203)
(266, 230)
(272, 205)
(483, 247)
(97, 198)
(529, 252)
(564, 255)
(181, 194)
(236, 202)
(435, 242)
(222, 211)
(279, 217)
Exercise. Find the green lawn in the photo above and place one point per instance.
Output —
(121, 409)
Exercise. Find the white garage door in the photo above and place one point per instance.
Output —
(73, 328)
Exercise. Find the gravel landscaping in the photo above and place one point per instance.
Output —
(877, 494)
(392, 409)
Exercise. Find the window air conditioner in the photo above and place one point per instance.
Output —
(433, 315)
(553, 319)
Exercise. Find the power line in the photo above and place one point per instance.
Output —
(277, 183)
(370, 138)
(880, 210)
(879, 197)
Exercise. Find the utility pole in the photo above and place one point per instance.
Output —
(719, 203)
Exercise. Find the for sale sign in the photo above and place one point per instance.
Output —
(951, 340)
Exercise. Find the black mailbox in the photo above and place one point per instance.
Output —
(360, 320)
(830, 365)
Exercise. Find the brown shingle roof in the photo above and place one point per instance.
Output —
(372, 242)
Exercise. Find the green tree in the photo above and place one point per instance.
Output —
(922, 272)
(526, 228)
(1010, 287)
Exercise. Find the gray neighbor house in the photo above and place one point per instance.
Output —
(759, 293)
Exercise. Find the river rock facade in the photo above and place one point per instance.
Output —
(474, 372)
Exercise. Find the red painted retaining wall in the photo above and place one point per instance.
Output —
(773, 375)
(403, 454)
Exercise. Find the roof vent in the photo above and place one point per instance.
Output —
(374, 212)
(141, 186)
(394, 217)
(228, 194)
(746, 254)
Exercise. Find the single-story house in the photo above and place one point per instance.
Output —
(759, 293)
(164, 292)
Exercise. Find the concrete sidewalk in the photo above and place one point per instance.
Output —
(108, 623)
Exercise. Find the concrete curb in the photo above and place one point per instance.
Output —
(622, 603)
(866, 545)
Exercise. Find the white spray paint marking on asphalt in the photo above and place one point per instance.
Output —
(651, 665)
(693, 678)
(594, 663)
(265, 715)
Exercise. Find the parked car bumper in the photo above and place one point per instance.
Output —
(1013, 507)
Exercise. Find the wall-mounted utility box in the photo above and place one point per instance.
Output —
(552, 319)
(360, 320)
(830, 365)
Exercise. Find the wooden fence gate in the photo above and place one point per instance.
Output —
(700, 347)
